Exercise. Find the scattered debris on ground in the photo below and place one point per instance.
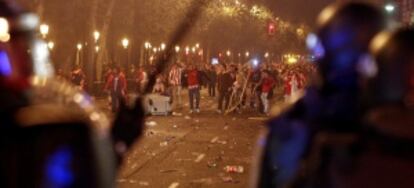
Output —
(199, 158)
(207, 181)
(168, 171)
(177, 114)
(163, 144)
(143, 183)
(174, 185)
(258, 118)
(234, 169)
(151, 123)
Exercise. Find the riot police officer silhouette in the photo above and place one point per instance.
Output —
(382, 155)
(344, 31)
(51, 133)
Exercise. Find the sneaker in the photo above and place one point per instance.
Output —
(198, 110)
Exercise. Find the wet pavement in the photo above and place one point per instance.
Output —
(192, 150)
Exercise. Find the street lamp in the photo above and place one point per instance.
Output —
(389, 8)
(97, 48)
(247, 54)
(50, 45)
(44, 30)
(163, 46)
(155, 50)
(177, 49)
(147, 45)
(96, 35)
(197, 45)
(79, 46)
(78, 54)
(228, 53)
(125, 43)
(266, 55)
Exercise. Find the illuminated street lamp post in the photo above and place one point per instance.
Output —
(79, 46)
(177, 50)
(147, 50)
(44, 30)
(389, 8)
(50, 46)
(163, 46)
(266, 56)
(78, 54)
(125, 45)
(96, 36)
(228, 53)
(246, 55)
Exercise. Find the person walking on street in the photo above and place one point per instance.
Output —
(141, 80)
(225, 85)
(78, 78)
(266, 86)
(174, 78)
(116, 86)
(212, 75)
(193, 81)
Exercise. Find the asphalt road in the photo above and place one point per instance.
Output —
(192, 150)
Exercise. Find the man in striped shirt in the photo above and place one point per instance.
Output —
(174, 79)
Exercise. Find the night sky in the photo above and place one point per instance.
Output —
(298, 11)
(301, 11)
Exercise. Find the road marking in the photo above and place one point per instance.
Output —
(174, 185)
(200, 157)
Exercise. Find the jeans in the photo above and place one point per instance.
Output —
(224, 96)
(115, 100)
(176, 95)
(212, 90)
(265, 102)
(194, 93)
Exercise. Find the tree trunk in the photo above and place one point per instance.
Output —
(90, 48)
(103, 41)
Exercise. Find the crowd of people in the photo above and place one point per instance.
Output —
(234, 86)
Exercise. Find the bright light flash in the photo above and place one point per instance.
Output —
(42, 66)
(255, 62)
(4, 30)
(389, 8)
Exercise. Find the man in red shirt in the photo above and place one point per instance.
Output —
(116, 86)
(267, 86)
(193, 80)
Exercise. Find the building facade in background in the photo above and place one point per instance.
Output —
(405, 11)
